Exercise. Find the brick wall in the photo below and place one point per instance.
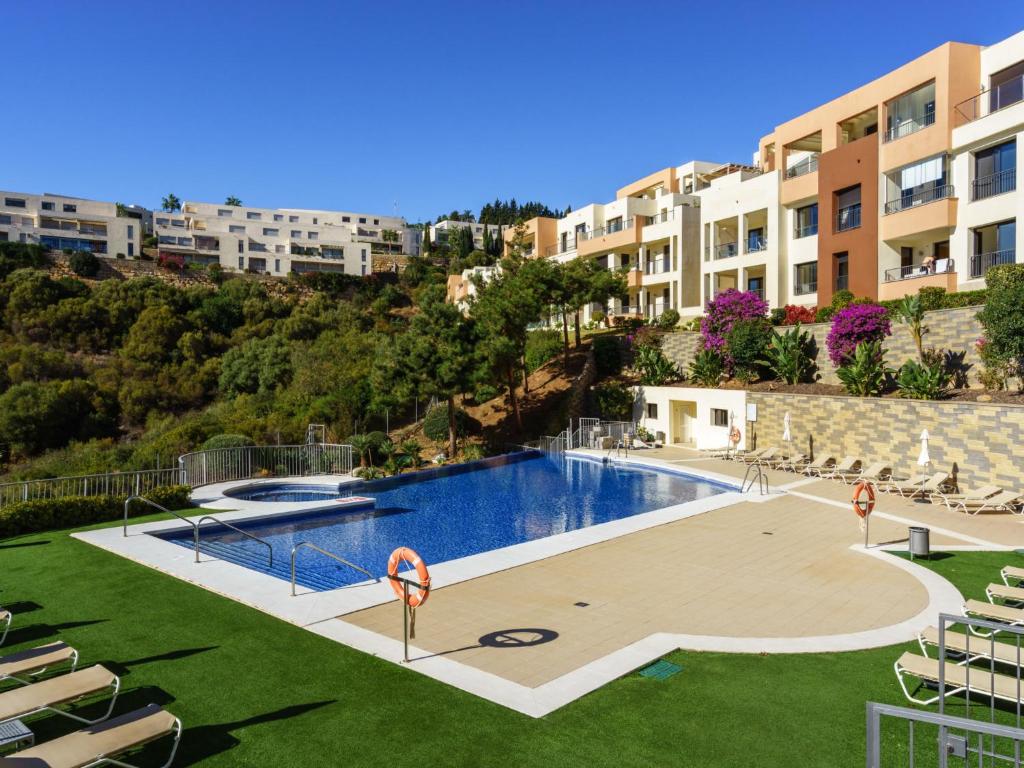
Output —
(952, 329)
(977, 441)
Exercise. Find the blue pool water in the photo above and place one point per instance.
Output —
(453, 512)
(285, 492)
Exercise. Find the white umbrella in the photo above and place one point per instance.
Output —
(787, 436)
(923, 459)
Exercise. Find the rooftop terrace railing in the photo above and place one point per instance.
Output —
(985, 103)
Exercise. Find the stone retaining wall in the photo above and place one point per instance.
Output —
(952, 329)
(979, 442)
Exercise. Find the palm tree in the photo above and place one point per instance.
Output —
(910, 312)
(232, 200)
(171, 203)
(411, 452)
(361, 445)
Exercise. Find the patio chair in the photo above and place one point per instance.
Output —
(949, 499)
(34, 661)
(876, 473)
(819, 465)
(48, 695)
(789, 463)
(848, 464)
(996, 592)
(958, 678)
(102, 744)
(959, 642)
(919, 485)
(5, 620)
(1012, 573)
(1004, 501)
(995, 612)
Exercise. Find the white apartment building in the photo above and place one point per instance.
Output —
(278, 241)
(987, 163)
(62, 223)
(439, 232)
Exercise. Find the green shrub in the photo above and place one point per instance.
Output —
(669, 319)
(931, 298)
(654, 368)
(485, 392)
(864, 373)
(597, 316)
(1003, 315)
(435, 423)
(368, 473)
(607, 355)
(693, 324)
(473, 452)
(840, 300)
(788, 356)
(84, 264)
(777, 316)
(707, 368)
(745, 345)
(541, 346)
(614, 401)
(227, 441)
(73, 511)
(923, 380)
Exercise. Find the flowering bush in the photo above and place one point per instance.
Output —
(172, 261)
(795, 315)
(723, 312)
(855, 324)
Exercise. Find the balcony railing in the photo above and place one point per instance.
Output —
(996, 184)
(726, 250)
(909, 272)
(608, 229)
(912, 199)
(985, 103)
(842, 282)
(801, 289)
(567, 247)
(909, 126)
(807, 165)
(661, 218)
(658, 267)
(848, 217)
(983, 262)
(757, 244)
(759, 292)
(805, 231)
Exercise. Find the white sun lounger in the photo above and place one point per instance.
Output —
(753, 457)
(876, 473)
(1005, 653)
(995, 612)
(34, 661)
(48, 695)
(5, 621)
(789, 463)
(101, 744)
(1004, 501)
(950, 499)
(996, 592)
(848, 464)
(919, 485)
(819, 465)
(1012, 572)
(958, 678)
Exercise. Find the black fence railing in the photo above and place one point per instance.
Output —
(995, 184)
(983, 262)
(848, 217)
(911, 199)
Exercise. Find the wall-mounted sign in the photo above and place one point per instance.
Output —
(751, 411)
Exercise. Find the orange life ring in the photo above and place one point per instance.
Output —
(864, 507)
(735, 436)
(422, 574)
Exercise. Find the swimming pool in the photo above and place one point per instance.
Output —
(453, 512)
(285, 492)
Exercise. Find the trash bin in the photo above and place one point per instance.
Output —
(920, 545)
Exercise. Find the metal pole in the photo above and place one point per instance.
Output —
(405, 618)
(866, 519)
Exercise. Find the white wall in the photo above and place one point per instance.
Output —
(704, 434)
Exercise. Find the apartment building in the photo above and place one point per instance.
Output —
(537, 237)
(62, 223)
(462, 288)
(439, 232)
(278, 241)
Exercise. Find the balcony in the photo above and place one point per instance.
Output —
(995, 184)
(988, 102)
(848, 218)
(805, 166)
(907, 281)
(808, 230)
(912, 199)
(658, 266)
(804, 288)
(757, 244)
(660, 218)
(616, 235)
(726, 250)
(556, 249)
(983, 262)
(914, 271)
(909, 126)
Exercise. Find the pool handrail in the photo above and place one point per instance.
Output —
(340, 559)
(200, 521)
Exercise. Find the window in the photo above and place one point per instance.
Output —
(841, 270)
(5, 218)
(346, 219)
(910, 112)
(48, 206)
(315, 220)
(719, 417)
(225, 213)
(994, 244)
(296, 233)
(254, 216)
(180, 223)
(652, 410)
(806, 221)
(270, 232)
(278, 217)
(917, 183)
(614, 225)
(364, 256)
(293, 219)
(362, 220)
(277, 265)
(70, 208)
(241, 261)
(162, 222)
(377, 221)
(332, 253)
(237, 229)
(363, 272)
(995, 170)
(847, 207)
(805, 278)
(312, 235)
(131, 231)
(278, 248)
(14, 202)
(241, 247)
(131, 250)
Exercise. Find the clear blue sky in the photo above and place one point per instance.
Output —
(435, 105)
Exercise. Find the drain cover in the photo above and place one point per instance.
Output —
(660, 670)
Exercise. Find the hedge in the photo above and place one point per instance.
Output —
(71, 511)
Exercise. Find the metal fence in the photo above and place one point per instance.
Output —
(106, 484)
(225, 464)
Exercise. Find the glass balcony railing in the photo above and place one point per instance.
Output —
(757, 244)
(909, 125)
(807, 230)
(995, 184)
(726, 250)
(661, 218)
(608, 229)
(848, 217)
(999, 97)
(983, 262)
(658, 267)
(911, 199)
(807, 165)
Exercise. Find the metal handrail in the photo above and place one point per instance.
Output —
(130, 499)
(270, 549)
(762, 481)
(903, 202)
(331, 555)
(848, 217)
(801, 167)
(994, 184)
(909, 125)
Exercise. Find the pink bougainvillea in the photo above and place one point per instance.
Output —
(851, 326)
(724, 311)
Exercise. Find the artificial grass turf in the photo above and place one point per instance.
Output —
(252, 690)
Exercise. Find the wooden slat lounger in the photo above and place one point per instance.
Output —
(101, 744)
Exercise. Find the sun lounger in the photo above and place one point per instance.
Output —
(996, 592)
(34, 661)
(819, 465)
(918, 485)
(751, 457)
(48, 695)
(958, 679)
(848, 464)
(1012, 573)
(101, 744)
(949, 499)
(1004, 501)
(995, 612)
(959, 642)
(766, 459)
(789, 463)
(876, 473)
(5, 621)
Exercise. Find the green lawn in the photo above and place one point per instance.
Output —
(252, 690)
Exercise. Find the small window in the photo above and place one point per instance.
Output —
(237, 229)
(362, 220)
(253, 215)
(652, 410)
(160, 222)
(312, 235)
(346, 219)
(719, 417)
(70, 208)
(316, 220)
(14, 202)
(376, 221)
(364, 255)
(363, 270)
(278, 217)
(269, 232)
(296, 233)
(241, 261)
(277, 265)
(293, 219)
(241, 247)
(5, 219)
(225, 213)
(48, 206)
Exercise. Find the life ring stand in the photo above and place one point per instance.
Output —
(411, 600)
(735, 436)
(863, 499)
